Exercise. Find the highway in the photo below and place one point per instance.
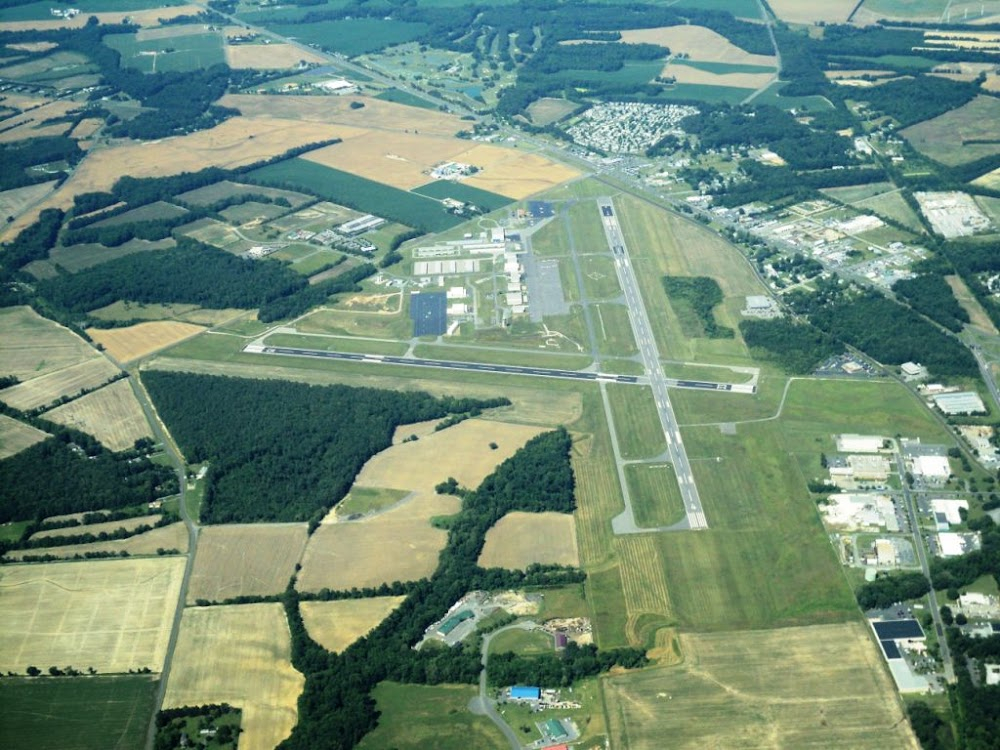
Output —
(644, 339)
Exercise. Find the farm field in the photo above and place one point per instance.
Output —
(547, 110)
(519, 539)
(512, 172)
(187, 48)
(113, 615)
(796, 11)
(126, 311)
(238, 654)
(459, 191)
(336, 625)
(13, 202)
(952, 137)
(245, 560)
(343, 555)
(94, 713)
(69, 381)
(881, 198)
(833, 692)
(31, 345)
(725, 75)
(352, 37)
(172, 537)
(78, 257)
(637, 423)
(225, 189)
(700, 43)
(978, 317)
(15, 436)
(268, 57)
(656, 497)
(112, 414)
(414, 717)
(141, 16)
(133, 342)
(97, 528)
(927, 10)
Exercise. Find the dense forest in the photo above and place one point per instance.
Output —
(892, 588)
(931, 295)
(17, 157)
(694, 298)
(282, 451)
(797, 347)
(335, 708)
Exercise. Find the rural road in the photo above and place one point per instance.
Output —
(483, 705)
(643, 331)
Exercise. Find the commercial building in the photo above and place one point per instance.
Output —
(360, 224)
(931, 467)
(963, 402)
(951, 509)
(860, 443)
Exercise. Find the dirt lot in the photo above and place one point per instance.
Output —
(519, 539)
(113, 615)
(173, 537)
(31, 345)
(336, 625)
(69, 381)
(245, 560)
(799, 11)
(461, 451)
(112, 415)
(238, 655)
(821, 686)
(698, 42)
(133, 342)
(343, 555)
(268, 57)
(16, 436)
(403, 160)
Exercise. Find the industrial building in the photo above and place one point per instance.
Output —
(951, 509)
(360, 224)
(962, 402)
(860, 443)
(931, 467)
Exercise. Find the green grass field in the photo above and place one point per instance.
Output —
(76, 713)
(704, 93)
(42, 10)
(947, 138)
(176, 53)
(351, 37)
(414, 717)
(636, 422)
(357, 192)
(450, 189)
(503, 357)
(721, 68)
(599, 278)
(340, 344)
(614, 331)
(656, 497)
(523, 642)
(404, 97)
(369, 499)
(552, 240)
(568, 601)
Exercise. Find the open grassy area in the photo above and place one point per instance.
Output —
(503, 356)
(339, 344)
(656, 497)
(524, 642)
(962, 135)
(636, 422)
(414, 717)
(176, 53)
(599, 278)
(368, 500)
(76, 713)
(614, 330)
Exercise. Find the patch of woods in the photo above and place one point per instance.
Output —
(336, 709)
(17, 158)
(280, 451)
(218, 725)
(796, 347)
(694, 298)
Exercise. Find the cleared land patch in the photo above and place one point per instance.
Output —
(97, 528)
(336, 625)
(796, 11)
(513, 173)
(977, 315)
(69, 381)
(172, 537)
(268, 57)
(126, 344)
(962, 135)
(244, 560)
(13, 202)
(31, 345)
(238, 655)
(820, 686)
(519, 539)
(547, 110)
(113, 415)
(699, 43)
(113, 615)
(16, 436)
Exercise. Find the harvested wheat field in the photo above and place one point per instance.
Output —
(520, 539)
(688, 74)
(828, 11)
(172, 537)
(336, 625)
(113, 415)
(31, 345)
(513, 173)
(113, 615)
(13, 202)
(699, 43)
(87, 127)
(268, 57)
(97, 528)
(150, 17)
(244, 560)
(69, 381)
(403, 160)
(16, 436)
(240, 655)
(462, 451)
(133, 342)
(354, 553)
(821, 686)
(376, 114)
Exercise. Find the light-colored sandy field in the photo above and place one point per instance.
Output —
(461, 451)
(140, 17)
(16, 436)
(519, 539)
(34, 46)
(31, 129)
(112, 414)
(69, 381)
(268, 57)
(698, 43)
(113, 615)
(799, 11)
(978, 317)
(990, 179)
(403, 160)
(343, 555)
(687, 74)
(173, 537)
(376, 114)
(513, 173)
(125, 344)
(97, 528)
(13, 202)
(31, 345)
(336, 625)
(835, 74)
(86, 128)
(250, 559)
(238, 655)
(814, 687)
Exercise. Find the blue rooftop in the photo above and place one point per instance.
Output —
(528, 693)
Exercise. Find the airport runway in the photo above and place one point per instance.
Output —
(643, 332)
(446, 364)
